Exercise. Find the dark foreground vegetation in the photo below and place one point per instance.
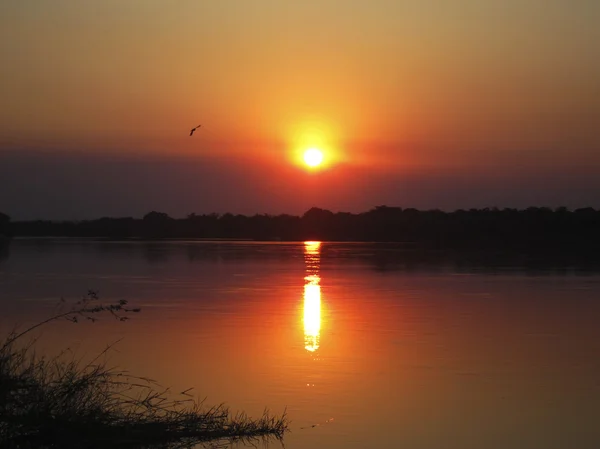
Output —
(60, 403)
(534, 227)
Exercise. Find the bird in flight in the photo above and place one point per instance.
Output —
(194, 129)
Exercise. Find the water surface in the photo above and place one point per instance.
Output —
(366, 345)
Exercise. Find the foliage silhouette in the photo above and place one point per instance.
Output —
(4, 227)
(535, 228)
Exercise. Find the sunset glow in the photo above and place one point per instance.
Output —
(399, 103)
(312, 296)
(194, 157)
(313, 157)
(312, 316)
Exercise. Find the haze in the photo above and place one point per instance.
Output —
(428, 104)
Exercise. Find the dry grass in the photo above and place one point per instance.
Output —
(59, 403)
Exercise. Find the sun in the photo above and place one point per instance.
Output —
(313, 157)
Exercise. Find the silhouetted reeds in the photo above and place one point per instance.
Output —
(59, 403)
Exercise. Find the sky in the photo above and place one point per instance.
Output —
(427, 104)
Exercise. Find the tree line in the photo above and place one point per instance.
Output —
(531, 227)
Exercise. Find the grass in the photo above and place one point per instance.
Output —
(60, 403)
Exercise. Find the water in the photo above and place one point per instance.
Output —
(366, 345)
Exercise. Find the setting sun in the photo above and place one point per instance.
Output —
(313, 157)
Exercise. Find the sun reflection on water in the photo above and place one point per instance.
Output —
(312, 296)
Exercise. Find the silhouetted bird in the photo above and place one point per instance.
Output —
(194, 129)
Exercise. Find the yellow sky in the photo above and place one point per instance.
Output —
(406, 82)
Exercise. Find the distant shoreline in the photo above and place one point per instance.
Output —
(407, 245)
(536, 229)
(129, 239)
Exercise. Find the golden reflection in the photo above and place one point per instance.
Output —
(312, 296)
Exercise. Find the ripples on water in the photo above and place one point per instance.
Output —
(366, 345)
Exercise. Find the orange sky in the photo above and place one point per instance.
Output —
(430, 84)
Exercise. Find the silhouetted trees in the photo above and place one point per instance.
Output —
(157, 225)
(534, 227)
(4, 224)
